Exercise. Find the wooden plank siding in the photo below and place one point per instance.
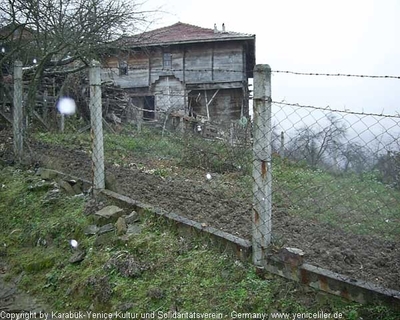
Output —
(195, 70)
(137, 73)
(192, 64)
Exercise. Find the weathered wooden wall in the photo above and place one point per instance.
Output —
(138, 70)
(210, 63)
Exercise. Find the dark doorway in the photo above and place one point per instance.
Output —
(149, 110)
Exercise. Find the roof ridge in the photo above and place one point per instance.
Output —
(179, 23)
(181, 32)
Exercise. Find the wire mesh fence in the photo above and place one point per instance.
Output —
(335, 189)
(324, 181)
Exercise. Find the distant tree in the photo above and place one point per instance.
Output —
(314, 143)
(389, 168)
(275, 139)
(355, 158)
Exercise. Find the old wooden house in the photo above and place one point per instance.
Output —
(185, 68)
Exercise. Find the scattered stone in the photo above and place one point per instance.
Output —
(292, 256)
(66, 187)
(78, 256)
(109, 214)
(47, 174)
(77, 187)
(121, 226)
(132, 218)
(91, 230)
(106, 228)
(134, 229)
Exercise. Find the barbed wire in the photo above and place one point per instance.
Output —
(347, 111)
(336, 74)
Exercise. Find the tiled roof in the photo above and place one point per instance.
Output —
(184, 33)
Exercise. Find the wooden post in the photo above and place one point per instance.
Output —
(207, 110)
(96, 127)
(18, 112)
(262, 178)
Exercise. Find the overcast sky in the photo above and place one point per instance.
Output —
(340, 36)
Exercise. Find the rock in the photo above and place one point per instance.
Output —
(47, 174)
(132, 218)
(66, 187)
(109, 214)
(91, 230)
(106, 228)
(78, 256)
(77, 187)
(134, 229)
(121, 226)
(292, 256)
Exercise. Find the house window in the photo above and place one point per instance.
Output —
(167, 61)
(123, 68)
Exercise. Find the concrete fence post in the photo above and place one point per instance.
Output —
(262, 177)
(96, 122)
(18, 125)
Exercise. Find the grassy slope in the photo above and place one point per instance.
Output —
(357, 203)
(174, 272)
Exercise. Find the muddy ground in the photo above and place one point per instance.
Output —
(356, 256)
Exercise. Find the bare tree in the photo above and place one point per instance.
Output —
(61, 32)
(314, 142)
(355, 158)
(60, 37)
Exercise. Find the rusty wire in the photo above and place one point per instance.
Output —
(347, 111)
(336, 74)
